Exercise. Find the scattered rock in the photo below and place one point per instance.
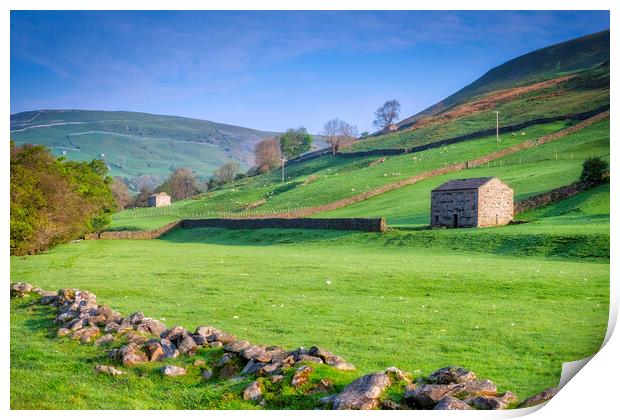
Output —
(49, 298)
(199, 362)
(215, 344)
(62, 332)
(175, 333)
(85, 335)
(493, 403)
(154, 350)
(169, 349)
(108, 370)
(340, 364)
(109, 314)
(451, 375)
(206, 374)
(170, 370)
(187, 346)
(396, 375)
(426, 396)
(205, 331)
(478, 388)
(262, 353)
(451, 403)
(330, 358)
(152, 326)
(390, 405)
(252, 392)
(252, 367)
(135, 338)
(136, 318)
(271, 369)
(301, 376)
(200, 340)
(277, 378)
(237, 346)
(229, 366)
(306, 358)
(223, 338)
(103, 340)
(132, 355)
(328, 400)
(111, 327)
(20, 289)
(363, 393)
(324, 385)
(539, 398)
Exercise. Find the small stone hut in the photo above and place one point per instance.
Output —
(160, 199)
(472, 202)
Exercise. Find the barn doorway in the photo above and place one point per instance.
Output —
(455, 221)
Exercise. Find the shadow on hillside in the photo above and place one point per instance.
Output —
(256, 237)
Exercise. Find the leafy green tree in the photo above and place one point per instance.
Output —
(54, 201)
(294, 142)
(593, 171)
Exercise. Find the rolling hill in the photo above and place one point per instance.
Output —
(540, 108)
(135, 143)
(546, 63)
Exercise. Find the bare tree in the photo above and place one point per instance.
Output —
(387, 114)
(339, 134)
(267, 154)
(142, 197)
(120, 193)
(226, 173)
(183, 184)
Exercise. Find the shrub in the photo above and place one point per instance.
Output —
(593, 171)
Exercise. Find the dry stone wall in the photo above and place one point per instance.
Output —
(137, 340)
(359, 224)
(135, 234)
(544, 199)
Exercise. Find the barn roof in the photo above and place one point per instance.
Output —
(463, 184)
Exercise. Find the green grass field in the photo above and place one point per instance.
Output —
(510, 303)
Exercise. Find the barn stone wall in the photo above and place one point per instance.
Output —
(460, 206)
(496, 204)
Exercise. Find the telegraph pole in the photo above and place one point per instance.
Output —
(283, 161)
(497, 125)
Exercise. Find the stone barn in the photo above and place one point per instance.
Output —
(472, 202)
(160, 199)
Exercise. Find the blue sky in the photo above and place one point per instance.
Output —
(268, 70)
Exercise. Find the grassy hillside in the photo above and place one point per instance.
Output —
(136, 143)
(567, 57)
(528, 172)
(565, 96)
(329, 178)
